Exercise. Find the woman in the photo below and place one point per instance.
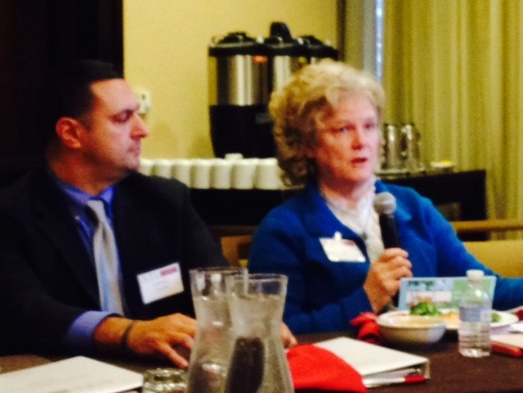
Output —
(327, 240)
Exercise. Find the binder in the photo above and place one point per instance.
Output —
(509, 344)
(379, 365)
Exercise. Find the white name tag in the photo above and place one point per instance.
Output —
(160, 283)
(341, 250)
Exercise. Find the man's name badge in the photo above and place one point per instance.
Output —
(160, 283)
(338, 249)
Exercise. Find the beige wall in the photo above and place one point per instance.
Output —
(165, 49)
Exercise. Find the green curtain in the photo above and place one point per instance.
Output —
(455, 69)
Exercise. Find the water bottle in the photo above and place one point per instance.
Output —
(475, 314)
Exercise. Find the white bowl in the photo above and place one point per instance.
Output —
(403, 329)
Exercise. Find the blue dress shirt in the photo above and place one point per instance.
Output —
(79, 337)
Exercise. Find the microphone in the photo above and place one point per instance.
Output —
(385, 206)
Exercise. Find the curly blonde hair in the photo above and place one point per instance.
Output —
(309, 98)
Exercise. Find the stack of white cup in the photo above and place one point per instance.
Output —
(268, 175)
(181, 170)
(221, 174)
(162, 167)
(201, 173)
(243, 173)
(146, 166)
(231, 172)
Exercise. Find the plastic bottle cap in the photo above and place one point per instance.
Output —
(475, 275)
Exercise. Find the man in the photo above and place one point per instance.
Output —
(50, 288)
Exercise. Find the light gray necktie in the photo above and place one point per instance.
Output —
(106, 259)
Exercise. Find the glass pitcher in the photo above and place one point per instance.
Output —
(258, 363)
(210, 355)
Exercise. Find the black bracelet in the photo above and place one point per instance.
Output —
(125, 337)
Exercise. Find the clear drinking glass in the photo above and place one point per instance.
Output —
(211, 353)
(164, 380)
(258, 362)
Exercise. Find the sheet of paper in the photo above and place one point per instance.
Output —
(512, 339)
(370, 360)
(78, 375)
(445, 292)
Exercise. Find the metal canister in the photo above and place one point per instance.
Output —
(286, 55)
(238, 96)
(318, 50)
(393, 157)
(237, 71)
(411, 147)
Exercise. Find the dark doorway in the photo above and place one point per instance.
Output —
(36, 35)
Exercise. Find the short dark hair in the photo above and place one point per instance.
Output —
(66, 92)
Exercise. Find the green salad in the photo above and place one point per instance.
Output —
(430, 309)
(425, 308)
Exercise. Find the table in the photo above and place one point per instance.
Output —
(450, 372)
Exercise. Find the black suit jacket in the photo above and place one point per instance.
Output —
(46, 276)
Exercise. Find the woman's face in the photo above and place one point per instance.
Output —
(348, 143)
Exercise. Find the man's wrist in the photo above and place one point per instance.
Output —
(109, 334)
(124, 343)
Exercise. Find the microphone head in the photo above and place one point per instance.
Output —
(385, 203)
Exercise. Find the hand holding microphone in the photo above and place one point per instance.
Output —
(383, 279)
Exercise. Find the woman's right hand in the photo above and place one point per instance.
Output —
(383, 279)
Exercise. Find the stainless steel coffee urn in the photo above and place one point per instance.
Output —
(401, 150)
(412, 148)
(238, 95)
(286, 55)
(243, 71)
(392, 145)
(318, 50)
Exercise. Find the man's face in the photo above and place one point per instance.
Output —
(111, 144)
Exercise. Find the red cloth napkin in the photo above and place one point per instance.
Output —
(368, 328)
(313, 367)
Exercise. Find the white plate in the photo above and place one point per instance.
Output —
(506, 318)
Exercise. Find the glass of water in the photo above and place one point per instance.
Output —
(164, 380)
